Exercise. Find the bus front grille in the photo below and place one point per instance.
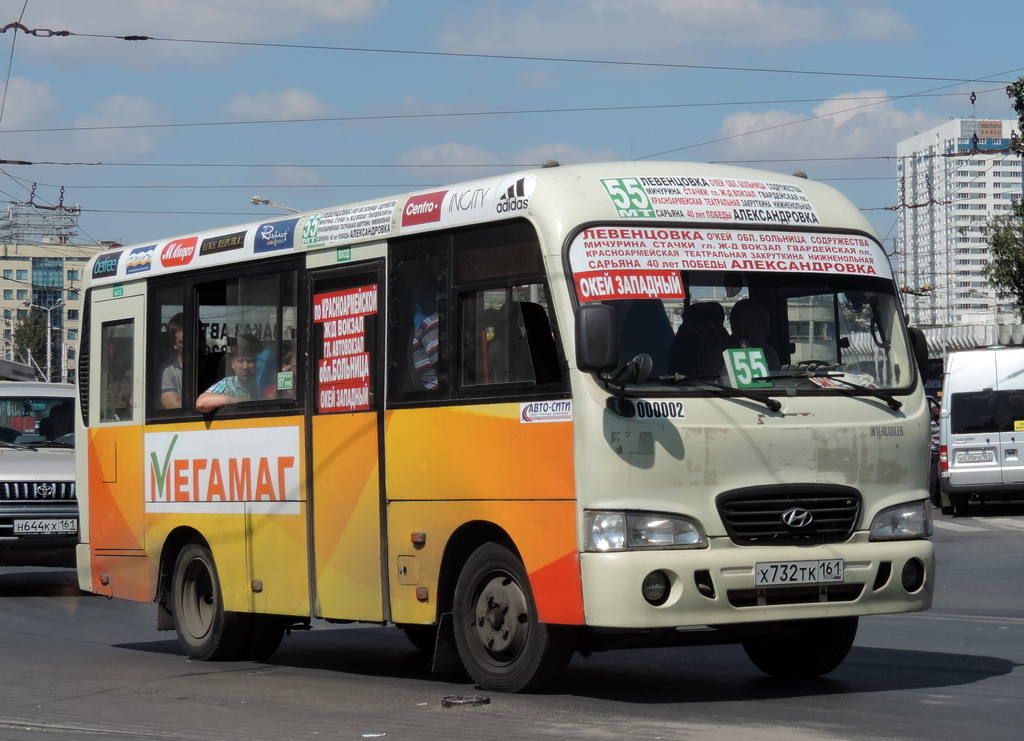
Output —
(805, 514)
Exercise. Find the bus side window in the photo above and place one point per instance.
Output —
(117, 346)
(248, 333)
(417, 320)
(167, 344)
(507, 338)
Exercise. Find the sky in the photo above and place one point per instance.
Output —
(317, 103)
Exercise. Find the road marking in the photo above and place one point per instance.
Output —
(1006, 523)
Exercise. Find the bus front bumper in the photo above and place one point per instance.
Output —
(717, 586)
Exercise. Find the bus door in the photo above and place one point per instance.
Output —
(112, 404)
(346, 364)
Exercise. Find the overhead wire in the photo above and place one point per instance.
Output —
(456, 114)
(350, 49)
(10, 64)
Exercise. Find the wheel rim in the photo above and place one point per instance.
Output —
(501, 618)
(198, 603)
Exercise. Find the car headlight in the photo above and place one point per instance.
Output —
(903, 522)
(623, 531)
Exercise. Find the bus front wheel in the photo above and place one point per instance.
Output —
(803, 649)
(205, 630)
(501, 643)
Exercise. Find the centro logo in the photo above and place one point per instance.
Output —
(178, 252)
(797, 517)
(423, 209)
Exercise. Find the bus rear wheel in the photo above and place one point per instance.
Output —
(803, 648)
(205, 630)
(501, 643)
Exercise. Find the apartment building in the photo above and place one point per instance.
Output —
(45, 279)
(952, 179)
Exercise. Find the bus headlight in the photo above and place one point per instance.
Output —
(624, 531)
(903, 522)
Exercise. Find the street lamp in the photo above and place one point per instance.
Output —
(262, 201)
(49, 335)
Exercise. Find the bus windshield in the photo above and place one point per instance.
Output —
(815, 325)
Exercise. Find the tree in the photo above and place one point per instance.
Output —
(1005, 234)
(30, 339)
(1005, 269)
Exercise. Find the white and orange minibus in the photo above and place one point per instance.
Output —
(518, 417)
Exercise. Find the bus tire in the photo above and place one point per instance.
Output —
(500, 641)
(265, 635)
(804, 648)
(205, 630)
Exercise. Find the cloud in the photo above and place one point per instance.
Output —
(293, 176)
(464, 160)
(291, 104)
(565, 154)
(619, 26)
(220, 20)
(843, 126)
(27, 104)
(452, 154)
(870, 23)
(119, 110)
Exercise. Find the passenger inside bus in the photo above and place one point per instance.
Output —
(238, 387)
(644, 328)
(270, 386)
(751, 326)
(170, 376)
(425, 343)
(702, 328)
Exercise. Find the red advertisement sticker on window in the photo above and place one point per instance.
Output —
(345, 362)
(623, 284)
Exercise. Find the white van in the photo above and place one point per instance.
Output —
(981, 454)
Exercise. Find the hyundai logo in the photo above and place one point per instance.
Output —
(797, 517)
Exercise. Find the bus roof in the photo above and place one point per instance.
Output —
(648, 192)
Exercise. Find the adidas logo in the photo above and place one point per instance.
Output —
(515, 198)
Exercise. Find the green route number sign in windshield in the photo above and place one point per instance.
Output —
(747, 367)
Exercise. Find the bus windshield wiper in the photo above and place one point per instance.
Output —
(15, 446)
(772, 404)
(888, 398)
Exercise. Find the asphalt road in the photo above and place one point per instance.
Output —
(75, 666)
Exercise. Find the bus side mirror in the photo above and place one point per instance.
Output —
(920, 347)
(597, 340)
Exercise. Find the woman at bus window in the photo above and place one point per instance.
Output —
(238, 387)
(170, 376)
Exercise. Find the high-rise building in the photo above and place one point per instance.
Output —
(45, 280)
(952, 180)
